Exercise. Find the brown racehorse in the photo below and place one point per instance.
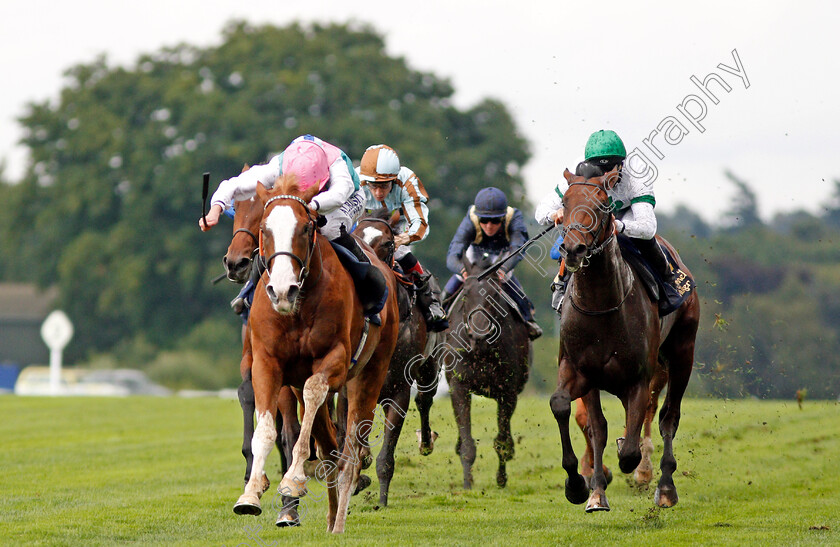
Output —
(238, 262)
(612, 339)
(493, 360)
(410, 362)
(306, 323)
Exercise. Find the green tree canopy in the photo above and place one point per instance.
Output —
(108, 206)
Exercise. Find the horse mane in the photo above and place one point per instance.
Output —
(288, 184)
(382, 213)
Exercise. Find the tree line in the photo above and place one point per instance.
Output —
(107, 208)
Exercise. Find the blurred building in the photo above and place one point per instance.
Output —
(23, 308)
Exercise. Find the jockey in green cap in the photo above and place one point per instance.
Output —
(632, 199)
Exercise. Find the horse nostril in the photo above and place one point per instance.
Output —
(579, 249)
(271, 294)
(242, 264)
(292, 293)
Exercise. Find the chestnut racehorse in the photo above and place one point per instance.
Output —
(306, 325)
(238, 262)
(612, 339)
(410, 362)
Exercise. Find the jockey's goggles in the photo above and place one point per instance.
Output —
(490, 220)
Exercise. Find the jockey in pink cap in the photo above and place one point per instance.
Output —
(312, 161)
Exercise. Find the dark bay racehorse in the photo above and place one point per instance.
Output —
(410, 362)
(494, 358)
(612, 339)
(306, 327)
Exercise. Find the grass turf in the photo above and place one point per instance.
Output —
(102, 471)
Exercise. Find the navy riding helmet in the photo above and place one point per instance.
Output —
(491, 203)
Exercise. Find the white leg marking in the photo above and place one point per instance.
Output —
(314, 393)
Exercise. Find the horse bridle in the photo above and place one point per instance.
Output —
(390, 229)
(592, 250)
(256, 250)
(304, 264)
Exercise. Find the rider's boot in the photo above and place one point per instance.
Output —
(653, 253)
(558, 288)
(374, 276)
(428, 296)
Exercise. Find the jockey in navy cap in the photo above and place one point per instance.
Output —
(492, 226)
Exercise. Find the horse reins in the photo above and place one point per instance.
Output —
(304, 264)
(597, 249)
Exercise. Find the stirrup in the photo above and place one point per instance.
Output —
(558, 292)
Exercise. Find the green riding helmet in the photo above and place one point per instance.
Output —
(604, 143)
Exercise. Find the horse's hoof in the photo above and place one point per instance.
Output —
(666, 496)
(284, 520)
(608, 475)
(363, 482)
(597, 502)
(576, 490)
(501, 478)
(426, 448)
(247, 504)
(642, 477)
(366, 461)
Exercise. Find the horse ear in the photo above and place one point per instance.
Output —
(395, 218)
(245, 168)
(611, 178)
(262, 192)
(568, 174)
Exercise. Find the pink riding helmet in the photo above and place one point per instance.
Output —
(308, 162)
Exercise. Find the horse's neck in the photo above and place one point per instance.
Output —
(604, 281)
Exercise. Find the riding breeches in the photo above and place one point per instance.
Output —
(345, 216)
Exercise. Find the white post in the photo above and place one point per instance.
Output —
(56, 331)
(55, 371)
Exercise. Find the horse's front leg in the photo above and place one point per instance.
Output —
(561, 406)
(427, 382)
(362, 393)
(315, 391)
(504, 440)
(598, 436)
(266, 387)
(394, 419)
(465, 447)
(287, 406)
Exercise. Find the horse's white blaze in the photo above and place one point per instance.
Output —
(281, 224)
(370, 233)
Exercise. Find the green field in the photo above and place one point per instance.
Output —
(91, 471)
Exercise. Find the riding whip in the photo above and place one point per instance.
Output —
(492, 269)
(204, 189)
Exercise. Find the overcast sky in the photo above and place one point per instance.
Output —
(563, 69)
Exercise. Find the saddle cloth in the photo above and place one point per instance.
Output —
(669, 295)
